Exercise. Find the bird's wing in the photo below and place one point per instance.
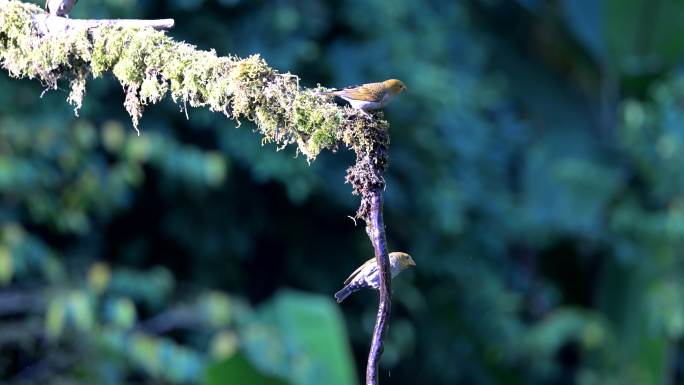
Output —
(360, 269)
(371, 92)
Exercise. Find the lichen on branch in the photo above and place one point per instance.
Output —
(149, 65)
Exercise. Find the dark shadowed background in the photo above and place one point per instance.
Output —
(537, 171)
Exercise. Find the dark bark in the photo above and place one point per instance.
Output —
(375, 228)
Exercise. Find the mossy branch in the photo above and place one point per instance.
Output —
(149, 65)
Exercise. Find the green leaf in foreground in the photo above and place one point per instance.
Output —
(237, 370)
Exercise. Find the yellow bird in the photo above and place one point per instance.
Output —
(371, 96)
(367, 274)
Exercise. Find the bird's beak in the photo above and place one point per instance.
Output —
(411, 262)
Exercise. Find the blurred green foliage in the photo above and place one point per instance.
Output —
(536, 179)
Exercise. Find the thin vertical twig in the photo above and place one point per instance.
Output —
(370, 142)
(375, 228)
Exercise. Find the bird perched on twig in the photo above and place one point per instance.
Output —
(367, 275)
(371, 96)
(59, 7)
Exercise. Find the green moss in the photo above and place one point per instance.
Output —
(153, 89)
(321, 139)
(268, 123)
(149, 65)
(77, 86)
(107, 48)
(317, 121)
(15, 35)
(139, 44)
(14, 16)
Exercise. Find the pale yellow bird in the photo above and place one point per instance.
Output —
(371, 96)
(367, 274)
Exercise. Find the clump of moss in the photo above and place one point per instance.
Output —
(369, 138)
(77, 88)
(149, 65)
(316, 123)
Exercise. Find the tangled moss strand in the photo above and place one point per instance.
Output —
(77, 87)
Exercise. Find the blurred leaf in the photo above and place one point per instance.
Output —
(217, 308)
(238, 370)
(224, 345)
(151, 287)
(159, 357)
(570, 193)
(643, 36)
(564, 326)
(55, 317)
(121, 312)
(80, 310)
(99, 276)
(6, 266)
(314, 337)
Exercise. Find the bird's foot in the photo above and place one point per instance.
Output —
(365, 114)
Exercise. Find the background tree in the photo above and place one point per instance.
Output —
(535, 178)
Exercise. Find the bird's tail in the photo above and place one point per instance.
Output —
(343, 294)
(347, 291)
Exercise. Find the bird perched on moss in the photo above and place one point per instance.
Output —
(371, 96)
(367, 275)
(59, 7)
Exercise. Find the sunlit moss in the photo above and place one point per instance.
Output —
(318, 125)
(149, 65)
